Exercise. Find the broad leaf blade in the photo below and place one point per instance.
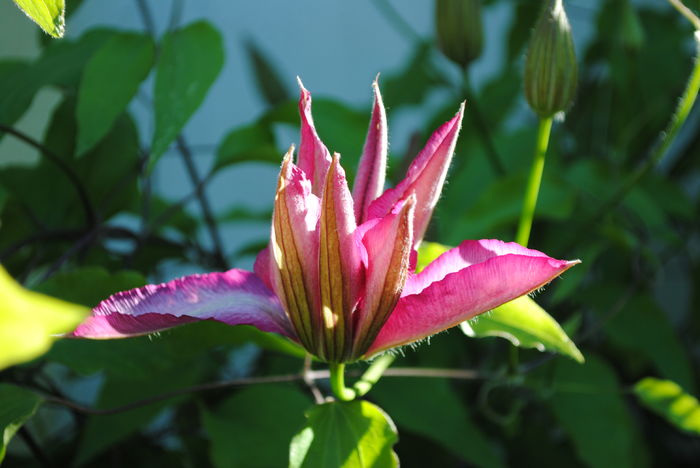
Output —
(189, 62)
(354, 434)
(266, 416)
(29, 321)
(525, 324)
(248, 143)
(48, 14)
(670, 401)
(17, 405)
(110, 80)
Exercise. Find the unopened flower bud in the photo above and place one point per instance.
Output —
(459, 29)
(550, 65)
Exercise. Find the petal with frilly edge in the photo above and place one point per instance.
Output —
(314, 158)
(369, 182)
(466, 281)
(235, 297)
(425, 177)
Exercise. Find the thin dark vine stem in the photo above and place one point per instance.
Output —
(480, 124)
(90, 213)
(207, 211)
(306, 375)
(146, 17)
(35, 448)
(396, 20)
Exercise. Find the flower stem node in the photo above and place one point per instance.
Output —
(551, 72)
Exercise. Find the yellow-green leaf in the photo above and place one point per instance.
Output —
(17, 406)
(670, 401)
(30, 321)
(428, 252)
(525, 324)
(48, 14)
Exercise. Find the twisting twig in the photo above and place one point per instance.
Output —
(90, 213)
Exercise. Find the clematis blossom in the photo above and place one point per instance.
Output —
(338, 274)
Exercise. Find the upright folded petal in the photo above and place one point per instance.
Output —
(294, 243)
(314, 158)
(369, 182)
(466, 281)
(388, 242)
(236, 297)
(425, 177)
(339, 265)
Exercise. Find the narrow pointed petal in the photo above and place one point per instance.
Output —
(466, 281)
(314, 158)
(236, 297)
(371, 174)
(339, 264)
(388, 244)
(425, 177)
(294, 244)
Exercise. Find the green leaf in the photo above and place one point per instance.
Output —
(263, 416)
(18, 405)
(427, 252)
(110, 80)
(29, 321)
(249, 143)
(587, 400)
(432, 409)
(190, 60)
(525, 324)
(89, 285)
(48, 14)
(667, 399)
(355, 434)
(266, 77)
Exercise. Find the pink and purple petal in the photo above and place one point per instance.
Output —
(235, 297)
(369, 182)
(425, 177)
(466, 281)
(314, 158)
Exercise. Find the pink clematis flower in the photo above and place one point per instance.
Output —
(338, 274)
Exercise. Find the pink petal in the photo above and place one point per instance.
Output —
(466, 281)
(314, 158)
(339, 264)
(294, 244)
(261, 267)
(388, 244)
(369, 182)
(236, 297)
(425, 177)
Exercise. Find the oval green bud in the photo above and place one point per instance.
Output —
(459, 29)
(550, 66)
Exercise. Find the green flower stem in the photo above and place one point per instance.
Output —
(364, 384)
(337, 378)
(533, 184)
(373, 374)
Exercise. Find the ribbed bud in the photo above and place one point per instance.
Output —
(550, 66)
(459, 29)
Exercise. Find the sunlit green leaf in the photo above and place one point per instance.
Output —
(525, 324)
(110, 80)
(48, 14)
(17, 405)
(255, 417)
(189, 62)
(29, 321)
(670, 401)
(354, 434)
(432, 409)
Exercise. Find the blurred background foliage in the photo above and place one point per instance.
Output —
(96, 213)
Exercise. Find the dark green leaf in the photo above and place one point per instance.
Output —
(411, 84)
(17, 406)
(253, 428)
(432, 409)
(189, 62)
(90, 285)
(110, 80)
(249, 143)
(354, 434)
(671, 402)
(265, 76)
